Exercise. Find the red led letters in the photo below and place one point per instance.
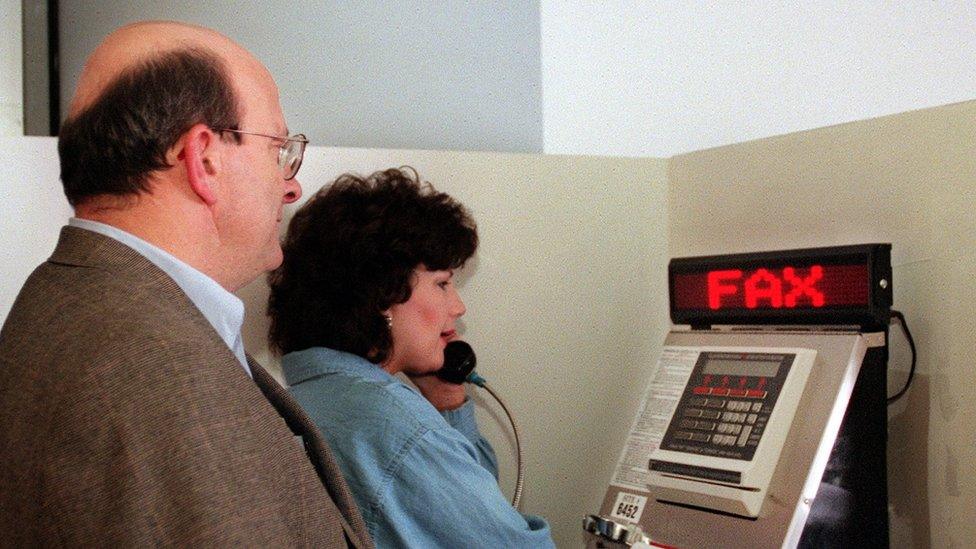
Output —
(839, 285)
(765, 288)
(803, 286)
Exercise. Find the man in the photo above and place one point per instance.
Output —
(129, 413)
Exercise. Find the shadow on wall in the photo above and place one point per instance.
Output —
(256, 324)
(908, 465)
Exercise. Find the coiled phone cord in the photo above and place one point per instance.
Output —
(520, 479)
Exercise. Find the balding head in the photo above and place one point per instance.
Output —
(139, 92)
(134, 44)
(186, 127)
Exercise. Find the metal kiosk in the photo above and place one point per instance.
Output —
(764, 423)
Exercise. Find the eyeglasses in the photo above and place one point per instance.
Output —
(290, 153)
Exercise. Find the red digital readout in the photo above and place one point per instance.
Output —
(786, 287)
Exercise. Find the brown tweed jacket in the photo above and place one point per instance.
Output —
(126, 421)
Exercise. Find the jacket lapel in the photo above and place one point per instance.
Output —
(83, 248)
(317, 450)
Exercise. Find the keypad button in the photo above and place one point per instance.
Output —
(700, 437)
(751, 418)
(738, 392)
(696, 401)
(700, 390)
(693, 412)
(682, 435)
(734, 417)
(687, 424)
(744, 437)
(729, 428)
(756, 406)
(710, 414)
(755, 393)
(720, 391)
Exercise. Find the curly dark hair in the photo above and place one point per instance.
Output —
(112, 146)
(350, 254)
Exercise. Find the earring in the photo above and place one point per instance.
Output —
(389, 321)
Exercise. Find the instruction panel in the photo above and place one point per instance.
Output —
(651, 423)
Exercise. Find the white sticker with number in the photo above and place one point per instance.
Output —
(628, 507)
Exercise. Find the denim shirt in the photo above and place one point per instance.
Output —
(421, 478)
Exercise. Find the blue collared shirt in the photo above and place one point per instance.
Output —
(421, 478)
(222, 309)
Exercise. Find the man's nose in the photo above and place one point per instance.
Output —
(293, 190)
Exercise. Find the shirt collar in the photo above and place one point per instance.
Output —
(299, 366)
(222, 309)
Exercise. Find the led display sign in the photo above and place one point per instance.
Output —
(841, 285)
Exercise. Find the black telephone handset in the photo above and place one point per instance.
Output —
(459, 362)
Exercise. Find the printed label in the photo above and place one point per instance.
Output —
(628, 507)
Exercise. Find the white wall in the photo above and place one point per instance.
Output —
(372, 73)
(566, 296)
(636, 78)
(617, 78)
(11, 69)
(32, 210)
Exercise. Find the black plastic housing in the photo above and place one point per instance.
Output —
(875, 313)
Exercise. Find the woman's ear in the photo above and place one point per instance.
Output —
(200, 157)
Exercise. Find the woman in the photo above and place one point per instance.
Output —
(366, 291)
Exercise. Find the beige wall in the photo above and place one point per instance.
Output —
(908, 179)
(566, 296)
(566, 302)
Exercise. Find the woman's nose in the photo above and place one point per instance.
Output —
(459, 308)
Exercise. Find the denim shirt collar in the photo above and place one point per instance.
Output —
(299, 366)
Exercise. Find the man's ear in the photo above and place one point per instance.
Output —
(200, 156)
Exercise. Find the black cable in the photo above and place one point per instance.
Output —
(911, 344)
(53, 67)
